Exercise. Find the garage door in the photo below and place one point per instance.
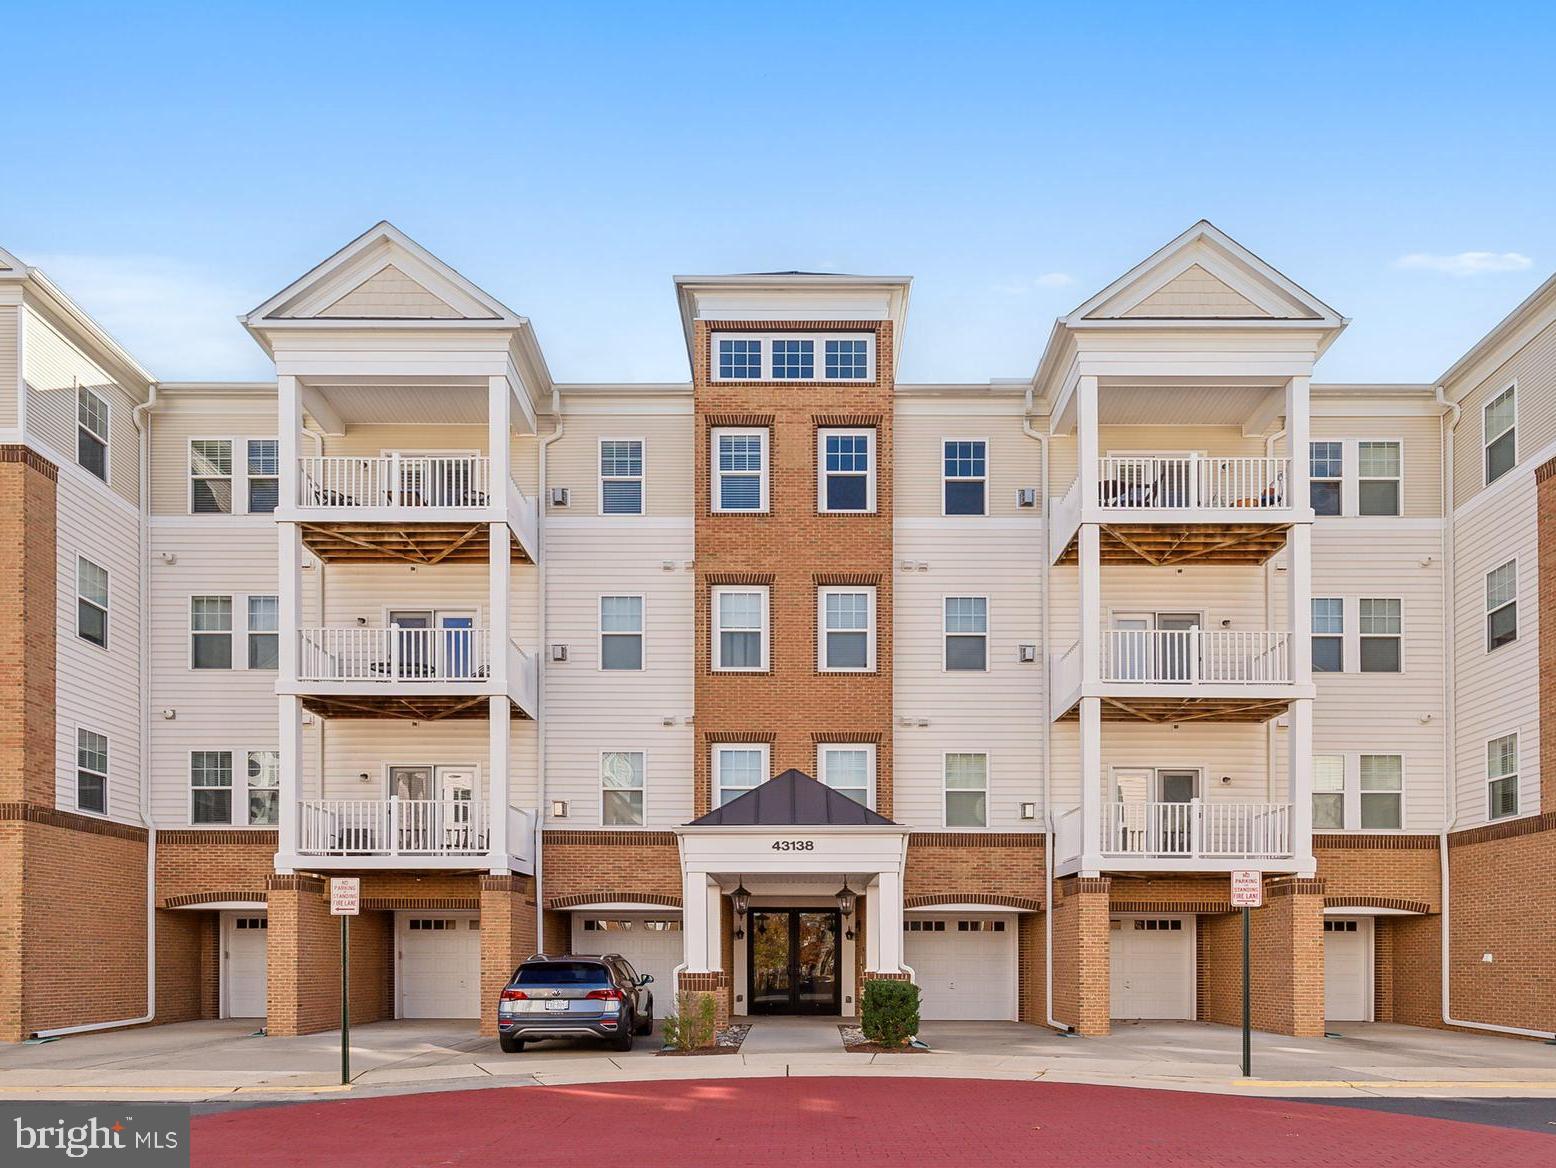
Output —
(438, 965)
(1151, 963)
(650, 941)
(966, 964)
(1348, 969)
(243, 964)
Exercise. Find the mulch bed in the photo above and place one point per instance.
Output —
(727, 1041)
(854, 1042)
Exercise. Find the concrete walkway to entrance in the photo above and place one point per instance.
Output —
(216, 1061)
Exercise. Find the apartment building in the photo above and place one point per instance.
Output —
(784, 677)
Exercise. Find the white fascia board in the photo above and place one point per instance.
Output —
(127, 372)
(1532, 316)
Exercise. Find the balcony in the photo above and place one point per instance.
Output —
(1170, 508)
(408, 833)
(427, 674)
(1197, 835)
(423, 509)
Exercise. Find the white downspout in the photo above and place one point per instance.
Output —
(1047, 723)
(1450, 745)
(142, 419)
(542, 660)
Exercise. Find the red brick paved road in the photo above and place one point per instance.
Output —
(795, 1123)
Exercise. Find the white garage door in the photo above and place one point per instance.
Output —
(651, 942)
(438, 965)
(1151, 963)
(966, 964)
(1348, 969)
(243, 964)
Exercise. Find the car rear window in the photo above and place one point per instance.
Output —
(564, 973)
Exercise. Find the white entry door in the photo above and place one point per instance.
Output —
(243, 964)
(966, 964)
(651, 943)
(1348, 969)
(1151, 964)
(438, 965)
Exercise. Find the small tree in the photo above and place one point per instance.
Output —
(693, 1026)
(888, 1011)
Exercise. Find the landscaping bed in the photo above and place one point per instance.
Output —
(726, 1041)
(854, 1042)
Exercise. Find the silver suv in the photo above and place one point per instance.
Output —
(575, 996)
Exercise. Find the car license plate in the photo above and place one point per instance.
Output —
(556, 1005)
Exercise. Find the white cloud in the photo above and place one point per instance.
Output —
(175, 318)
(1465, 263)
(1054, 280)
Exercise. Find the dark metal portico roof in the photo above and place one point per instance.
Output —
(792, 799)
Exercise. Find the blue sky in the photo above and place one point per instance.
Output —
(178, 164)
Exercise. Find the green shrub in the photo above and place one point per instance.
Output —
(888, 1011)
(693, 1025)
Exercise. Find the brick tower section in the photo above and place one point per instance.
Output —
(507, 937)
(1082, 951)
(794, 549)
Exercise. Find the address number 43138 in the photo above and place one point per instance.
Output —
(794, 845)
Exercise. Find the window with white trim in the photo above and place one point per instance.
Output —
(91, 771)
(1328, 634)
(740, 631)
(621, 632)
(92, 432)
(849, 769)
(1502, 777)
(210, 633)
(738, 768)
(1382, 791)
(621, 476)
(792, 357)
(967, 633)
(845, 462)
(965, 476)
(1379, 623)
(847, 620)
(966, 790)
(739, 469)
(210, 786)
(621, 788)
(848, 360)
(1326, 473)
(740, 359)
(1329, 792)
(1499, 433)
(264, 792)
(1502, 605)
(210, 476)
(91, 602)
(264, 632)
(264, 475)
(793, 360)
(1378, 475)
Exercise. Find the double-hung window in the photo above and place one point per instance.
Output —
(1382, 791)
(210, 476)
(1326, 463)
(1379, 623)
(1378, 478)
(210, 633)
(621, 632)
(739, 470)
(846, 462)
(965, 476)
(91, 602)
(1499, 433)
(264, 467)
(966, 790)
(210, 786)
(621, 476)
(264, 632)
(740, 629)
(1502, 777)
(740, 359)
(793, 360)
(1329, 792)
(91, 771)
(1502, 605)
(738, 768)
(92, 432)
(1328, 634)
(847, 617)
(967, 633)
(264, 770)
(848, 769)
(621, 788)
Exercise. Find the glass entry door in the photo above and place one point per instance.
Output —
(792, 961)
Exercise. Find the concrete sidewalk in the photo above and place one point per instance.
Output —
(214, 1061)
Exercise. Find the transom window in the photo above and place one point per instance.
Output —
(740, 360)
(966, 475)
(740, 470)
(1328, 634)
(847, 629)
(849, 770)
(738, 768)
(1382, 791)
(621, 788)
(1499, 431)
(92, 432)
(91, 771)
(621, 632)
(794, 359)
(91, 602)
(621, 476)
(1502, 605)
(817, 357)
(848, 360)
(740, 629)
(210, 476)
(967, 633)
(967, 790)
(1328, 792)
(1502, 776)
(1326, 470)
(1378, 478)
(1379, 623)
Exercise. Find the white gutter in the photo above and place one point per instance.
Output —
(1047, 723)
(141, 416)
(542, 659)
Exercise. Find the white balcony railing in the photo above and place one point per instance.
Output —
(461, 481)
(391, 827)
(1196, 830)
(1191, 482)
(1190, 656)
(393, 654)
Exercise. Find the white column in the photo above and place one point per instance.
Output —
(1091, 785)
(1087, 441)
(700, 922)
(499, 572)
(1297, 433)
(1299, 600)
(290, 741)
(887, 933)
(1089, 569)
(499, 419)
(289, 424)
(872, 927)
(1299, 783)
(497, 721)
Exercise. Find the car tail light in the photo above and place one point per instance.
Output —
(610, 995)
(512, 995)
